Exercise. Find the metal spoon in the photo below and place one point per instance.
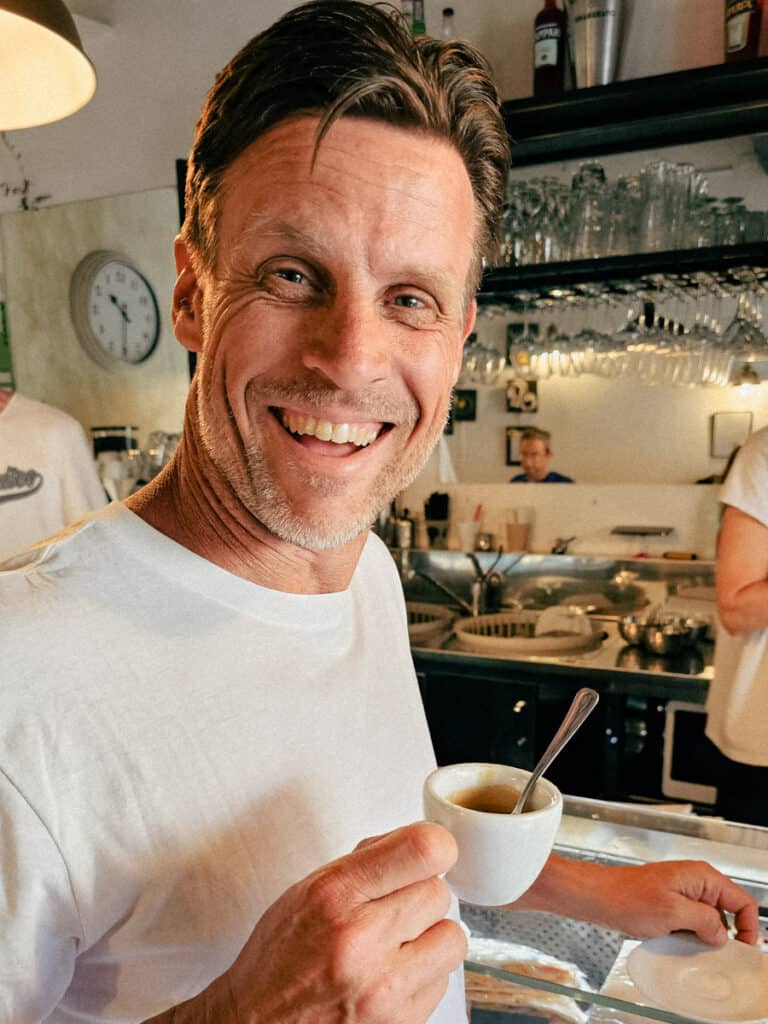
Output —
(581, 706)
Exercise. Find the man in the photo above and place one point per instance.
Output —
(535, 456)
(737, 705)
(210, 696)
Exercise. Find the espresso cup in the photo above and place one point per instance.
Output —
(500, 854)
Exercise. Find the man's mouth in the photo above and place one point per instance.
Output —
(304, 425)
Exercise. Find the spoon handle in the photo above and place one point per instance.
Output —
(581, 706)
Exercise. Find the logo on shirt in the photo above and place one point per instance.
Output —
(19, 483)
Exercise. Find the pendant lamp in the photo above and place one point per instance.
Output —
(44, 72)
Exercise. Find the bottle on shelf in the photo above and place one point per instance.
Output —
(447, 30)
(419, 24)
(742, 29)
(550, 44)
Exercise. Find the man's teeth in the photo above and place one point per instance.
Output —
(339, 433)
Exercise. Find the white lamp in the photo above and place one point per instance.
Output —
(44, 72)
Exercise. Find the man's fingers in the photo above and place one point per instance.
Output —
(409, 854)
(738, 902)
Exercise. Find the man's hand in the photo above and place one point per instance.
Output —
(362, 939)
(645, 900)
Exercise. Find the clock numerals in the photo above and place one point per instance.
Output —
(114, 310)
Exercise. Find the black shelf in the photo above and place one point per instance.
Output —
(501, 284)
(714, 102)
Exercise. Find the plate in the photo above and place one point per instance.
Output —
(563, 620)
(717, 985)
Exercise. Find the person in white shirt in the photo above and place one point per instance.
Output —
(737, 703)
(213, 745)
(48, 475)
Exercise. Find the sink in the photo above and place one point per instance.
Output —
(515, 632)
(428, 623)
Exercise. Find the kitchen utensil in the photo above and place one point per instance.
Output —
(683, 974)
(665, 639)
(581, 706)
(597, 35)
(632, 628)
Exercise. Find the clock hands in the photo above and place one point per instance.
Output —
(123, 309)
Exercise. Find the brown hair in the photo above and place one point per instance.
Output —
(345, 57)
(536, 434)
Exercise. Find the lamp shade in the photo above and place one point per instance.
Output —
(44, 72)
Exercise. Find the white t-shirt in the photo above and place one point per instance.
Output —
(178, 747)
(737, 705)
(48, 475)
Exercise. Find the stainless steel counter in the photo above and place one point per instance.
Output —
(611, 654)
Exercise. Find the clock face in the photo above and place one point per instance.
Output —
(114, 310)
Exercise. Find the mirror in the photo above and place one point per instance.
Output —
(40, 250)
(609, 430)
(603, 431)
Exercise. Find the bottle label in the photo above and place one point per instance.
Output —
(546, 45)
(545, 53)
(737, 16)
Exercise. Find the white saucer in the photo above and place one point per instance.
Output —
(716, 985)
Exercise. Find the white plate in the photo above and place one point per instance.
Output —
(562, 619)
(717, 985)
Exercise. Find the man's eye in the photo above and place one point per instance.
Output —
(409, 302)
(289, 274)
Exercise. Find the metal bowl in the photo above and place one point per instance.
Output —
(665, 639)
(698, 629)
(632, 628)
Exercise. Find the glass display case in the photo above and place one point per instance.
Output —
(536, 967)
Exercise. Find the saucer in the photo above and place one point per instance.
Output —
(716, 985)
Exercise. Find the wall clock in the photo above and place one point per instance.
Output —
(114, 310)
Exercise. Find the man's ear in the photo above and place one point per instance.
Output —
(468, 327)
(186, 308)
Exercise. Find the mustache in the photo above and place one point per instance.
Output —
(367, 402)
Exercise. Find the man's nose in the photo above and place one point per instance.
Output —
(349, 344)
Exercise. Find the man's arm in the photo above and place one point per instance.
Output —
(742, 572)
(644, 900)
(364, 939)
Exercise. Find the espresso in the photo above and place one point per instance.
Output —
(495, 798)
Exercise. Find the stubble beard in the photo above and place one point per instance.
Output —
(256, 483)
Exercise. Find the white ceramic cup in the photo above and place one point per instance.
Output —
(500, 855)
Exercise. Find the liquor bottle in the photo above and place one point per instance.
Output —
(419, 24)
(446, 29)
(742, 29)
(549, 49)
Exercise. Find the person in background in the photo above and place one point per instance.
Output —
(210, 765)
(737, 703)
(48, 475)
(535, 456)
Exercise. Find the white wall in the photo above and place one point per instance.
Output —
(157, 60)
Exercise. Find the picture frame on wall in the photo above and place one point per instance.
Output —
(729, 430)
(513, 435)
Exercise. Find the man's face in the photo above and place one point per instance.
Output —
(331, 329)
(535, 457)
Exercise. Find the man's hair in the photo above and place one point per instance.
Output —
(536, 434)
(345, 57)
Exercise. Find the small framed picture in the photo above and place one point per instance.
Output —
(522, 395)
(729, 430)
(464, 404)
(513, 435)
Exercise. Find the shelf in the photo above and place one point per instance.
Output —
(714, 102)
(501, 284)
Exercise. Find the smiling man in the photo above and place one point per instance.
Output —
(212, 740)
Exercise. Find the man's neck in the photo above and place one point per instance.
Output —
(190, 503)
